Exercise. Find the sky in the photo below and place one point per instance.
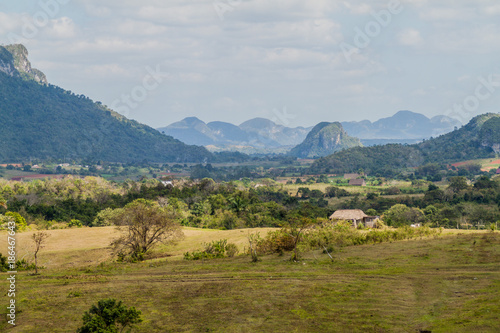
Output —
(295, 62)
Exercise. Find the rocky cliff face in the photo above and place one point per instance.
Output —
(14, 62)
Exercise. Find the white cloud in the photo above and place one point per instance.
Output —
(280, 52)
(140, 28)
(447, 14)
(358, 9)
(61, 28)
(492, 10)
(410, 37)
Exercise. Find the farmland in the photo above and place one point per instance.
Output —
(444, 284)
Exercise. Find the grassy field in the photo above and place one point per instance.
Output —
(445, 284)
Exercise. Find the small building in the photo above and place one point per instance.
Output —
(357, 182)
(351, 176)
(356, 216)
(498, 171)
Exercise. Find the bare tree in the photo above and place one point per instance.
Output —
(39, 239)
(144, 224)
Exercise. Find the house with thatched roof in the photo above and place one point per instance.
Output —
(356, 216)
(357, 182)
(498, 171)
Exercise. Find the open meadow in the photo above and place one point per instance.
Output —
(449, 283)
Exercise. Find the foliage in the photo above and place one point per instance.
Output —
(342, 235)
(20, 221)
(144, 224)
(109, 316)
(213, 250)
(75, 223)
(66, 125)
(401, 215)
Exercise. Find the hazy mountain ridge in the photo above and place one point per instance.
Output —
(264, 136)
(404, 125)
(255, 135)
(480, 138)
(325, 139)
(44, 121)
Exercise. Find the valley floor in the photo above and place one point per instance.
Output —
(445, 284)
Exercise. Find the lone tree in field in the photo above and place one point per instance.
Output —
(39, 240)
(295, 229)
(144, 224)
(109, 316)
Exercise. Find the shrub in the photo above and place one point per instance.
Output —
(109, 316)
(213, 250)
(75, 223)
(21, 224)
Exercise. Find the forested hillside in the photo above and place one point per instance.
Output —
(45, 121)
(478, 139)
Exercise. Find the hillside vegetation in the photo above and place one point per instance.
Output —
(478, 139)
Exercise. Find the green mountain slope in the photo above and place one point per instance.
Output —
(324, 139)
(480, 138)
(44, 121)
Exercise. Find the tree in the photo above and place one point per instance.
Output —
(109, 316)
(400, 215)
(144, 223)
(296, 229)
(39, 240)
(458, 184)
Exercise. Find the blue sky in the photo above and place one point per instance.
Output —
(232, 60)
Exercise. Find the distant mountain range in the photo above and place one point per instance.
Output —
(257, 135)
(404, 125)
(264, 136)
(480, 138)
(42, 121)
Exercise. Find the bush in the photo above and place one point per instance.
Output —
(213, 250)
(21, 224)
(75, 223)
(109, 316)
(340, 236)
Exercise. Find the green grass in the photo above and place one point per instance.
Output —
(445, 284)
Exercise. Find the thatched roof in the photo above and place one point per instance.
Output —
(348, 214)
(357, 182)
